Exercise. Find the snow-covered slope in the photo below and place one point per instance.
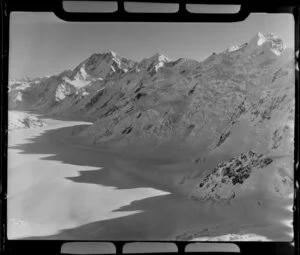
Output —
(19, 120)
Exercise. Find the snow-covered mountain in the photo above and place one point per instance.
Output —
(45, 93)
(101, 66)
(233, 105)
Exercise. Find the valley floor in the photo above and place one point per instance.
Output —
(58, 189)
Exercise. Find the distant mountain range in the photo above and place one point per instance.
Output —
(234, 103)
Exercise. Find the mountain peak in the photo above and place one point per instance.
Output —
(112, 53)
(154, 63)
(261, 38)
(269, 42)
(102, 65)
(160, 57)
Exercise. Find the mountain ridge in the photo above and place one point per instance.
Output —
(233, 103)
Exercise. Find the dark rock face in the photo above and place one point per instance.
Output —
(238, 170)
(231, 173)
(127, 130)
(223, 138)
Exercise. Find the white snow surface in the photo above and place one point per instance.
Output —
(74, 208)
(77, 82)
(19, 120)
(261, 39)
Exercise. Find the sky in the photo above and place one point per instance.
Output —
(41, 44)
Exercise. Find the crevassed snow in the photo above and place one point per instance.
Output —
(18, 120)
(59, 94)
(62, 91)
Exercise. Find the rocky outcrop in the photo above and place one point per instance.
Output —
(230, 173)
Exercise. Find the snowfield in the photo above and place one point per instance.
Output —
(17, 120)
(102, 195)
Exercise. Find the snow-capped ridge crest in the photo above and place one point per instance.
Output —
(160, 57)
(261, 38)
(266, 41)
(102, 65)
(235, 48)
(154, 63)
(113, 54)
(272, 40)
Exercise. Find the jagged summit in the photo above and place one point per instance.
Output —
(99, 68)
(160, 57)
(102, 65)
(108, 53)
(112, 53)
(154, 63)
(260, 38)
(267, 42)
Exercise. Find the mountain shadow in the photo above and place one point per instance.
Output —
(163, 217)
